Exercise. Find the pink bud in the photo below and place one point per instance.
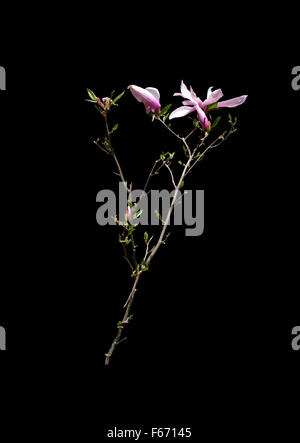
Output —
(128, 214)
(148, 96)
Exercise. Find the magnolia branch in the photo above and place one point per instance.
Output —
(193, 158)
(125, 320)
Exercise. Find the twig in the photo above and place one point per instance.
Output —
(126, 257)
(125, 320)
(112, 152)
(161, 237)
(101, 147)
(171, 173)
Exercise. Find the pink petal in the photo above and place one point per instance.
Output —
(212, 96)
(201, 114)
(202, 117)
(154, 92)
(188, 103)
(195, 98)
(181, 112)
(128, 213)
(185, 92)
(233, 102)
(145, 96)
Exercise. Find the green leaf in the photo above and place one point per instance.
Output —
(134, 273)
(115, 127)
(224, 133)
(131, 229)
(181, 184)
(212, 106)
(180, 162)
(92, 95)
(230, 117)
(162, 157)
(158, 215)
(146, 236)
(216, 122)
(144, 266)
(118, 97)
(165, 109)
(137, 214)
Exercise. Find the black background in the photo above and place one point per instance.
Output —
(211, 333)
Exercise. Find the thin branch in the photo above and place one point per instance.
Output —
(161, 237)
(133, 251)
(147, 248)
(169, 129)
(171, 173)
(192, 132)
(132, 290)
(214, 144)
(150, 174)
(112, 152)
(126, 257)
(101, 147)
(124, 321)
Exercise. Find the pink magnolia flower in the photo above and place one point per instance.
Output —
(193, 103)
(149, 96)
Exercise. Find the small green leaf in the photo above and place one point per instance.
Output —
(131, 229)
(181, 184)
(129, 203)
(216, 122)
(137, 214)
(158, 215)
(165, 109)
(118, 97)
(134, 273)
(230, 117)
(162, 157)
(144, 266)
(212, 106)
(224, 133)
(180, 162)
(146, 236)
(92, 95)
(115, 127)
